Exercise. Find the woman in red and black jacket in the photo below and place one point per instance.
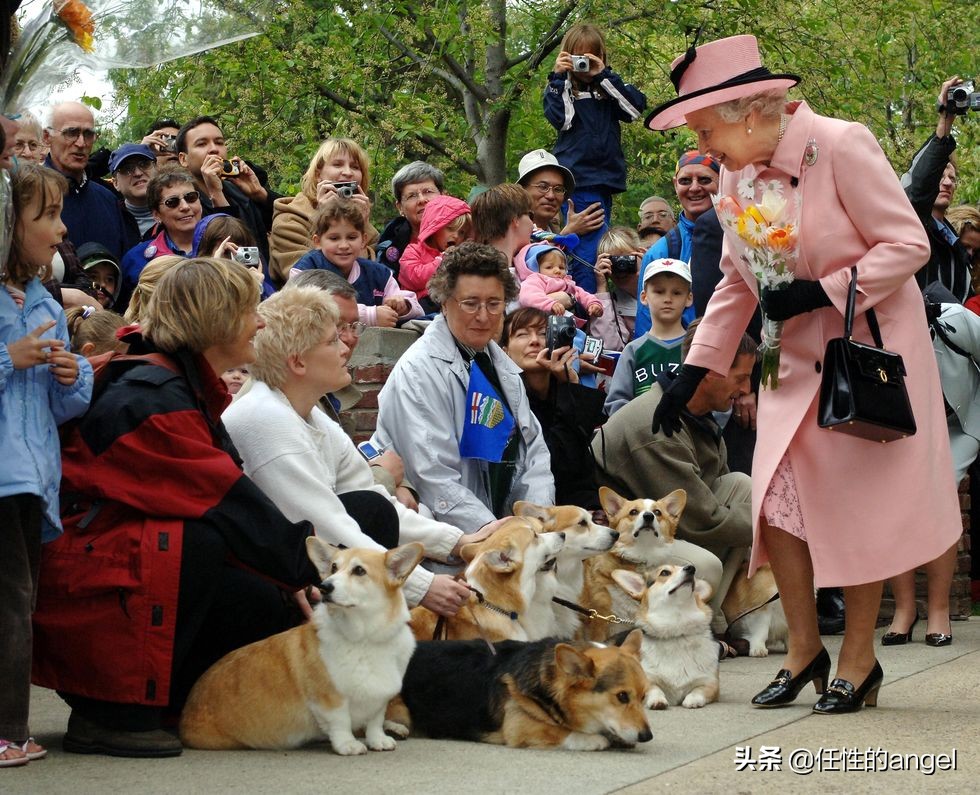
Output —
(171, 557)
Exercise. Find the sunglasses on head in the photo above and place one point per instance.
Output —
(173, 202)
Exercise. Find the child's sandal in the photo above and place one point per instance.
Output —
(15, 761)
(33, 750)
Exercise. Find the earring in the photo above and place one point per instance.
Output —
(748, 130)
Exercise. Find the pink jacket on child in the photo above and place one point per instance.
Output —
(419, 260)
(535, 289)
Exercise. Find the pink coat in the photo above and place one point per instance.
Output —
(870, 510)
(535, 289)
(420, 260)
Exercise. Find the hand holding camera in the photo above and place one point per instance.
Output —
(558, 362)
(956, 98)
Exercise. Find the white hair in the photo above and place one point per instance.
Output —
(768, 104)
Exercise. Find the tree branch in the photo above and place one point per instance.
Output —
(456, 68)
(549, 41)
(418, 60)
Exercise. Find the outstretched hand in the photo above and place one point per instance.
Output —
(675, 398)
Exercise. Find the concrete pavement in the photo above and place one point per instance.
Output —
(929, 704)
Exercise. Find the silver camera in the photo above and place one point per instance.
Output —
(580, 63)
(346, 190)
(962, 98)
(248, 256)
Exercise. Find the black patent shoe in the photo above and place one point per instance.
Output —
(938, 639)
(841, 696)
(785, 687)
(900, 638)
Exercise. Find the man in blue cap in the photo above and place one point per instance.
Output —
(132, 166)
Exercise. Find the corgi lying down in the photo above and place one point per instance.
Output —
(545, 694)
(328, 678)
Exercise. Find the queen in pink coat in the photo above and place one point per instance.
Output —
(830, 509)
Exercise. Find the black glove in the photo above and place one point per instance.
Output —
(675, 398)
(797, 297)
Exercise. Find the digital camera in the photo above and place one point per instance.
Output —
(230, 168)
(580, 63)
(171, 145)
(560, 332)
(346, 189)
(248, 256)
(962, 98)
(623, 263)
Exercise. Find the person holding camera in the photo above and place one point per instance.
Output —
(162, 139)
(586, 101)
(666, 294)
(619, 252)
(223, 236)
(930, 184)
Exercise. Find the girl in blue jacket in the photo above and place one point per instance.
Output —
(42, 384)
(586, 101)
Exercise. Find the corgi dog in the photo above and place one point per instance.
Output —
(505, 569)
(646, 532)
(328, 678)
(751, 615)
(546, 694)
(679, 654)
(583, 539)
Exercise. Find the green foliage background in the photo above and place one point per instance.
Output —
(383, 73)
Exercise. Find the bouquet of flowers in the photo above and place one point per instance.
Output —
(762, 225)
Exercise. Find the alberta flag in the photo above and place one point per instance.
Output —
(488, 424)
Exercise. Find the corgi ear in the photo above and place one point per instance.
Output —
(321, 555)
(675, 502)
(469, 551)
(633, 644)
(401, 561)
(503, 560)
(630, 581)
(703, 589)
(572, 662)
(531, 511)
(611, 502)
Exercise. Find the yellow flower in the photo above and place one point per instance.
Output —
(78, 19)
(752, 227)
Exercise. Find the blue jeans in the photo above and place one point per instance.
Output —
(588, 244)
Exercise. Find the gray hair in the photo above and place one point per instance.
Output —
(29, 122)
(418, 171)
(325, 280)
(768, 104)
(649, 199)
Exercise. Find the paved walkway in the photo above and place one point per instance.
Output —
(930, 704)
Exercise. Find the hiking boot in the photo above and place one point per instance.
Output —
(85, 737)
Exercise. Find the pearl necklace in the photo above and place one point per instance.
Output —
(783, 121)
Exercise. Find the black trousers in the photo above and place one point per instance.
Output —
(221, 608)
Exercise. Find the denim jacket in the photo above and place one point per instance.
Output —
(33, 404)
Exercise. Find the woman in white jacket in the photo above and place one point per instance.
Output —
(307, 465)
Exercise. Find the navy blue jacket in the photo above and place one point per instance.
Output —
(370, 285)
(92, 214)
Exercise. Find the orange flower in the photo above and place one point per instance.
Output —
(78, 19)
(781, 238)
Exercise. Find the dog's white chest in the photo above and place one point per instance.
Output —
(676, 665)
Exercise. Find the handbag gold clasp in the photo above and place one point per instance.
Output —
(883, 375)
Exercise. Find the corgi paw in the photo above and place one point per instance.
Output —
(351, 747)
(656, 701)
(694, 700)
(758, 650)
(577, 741)
(382, 743)
(396, 730)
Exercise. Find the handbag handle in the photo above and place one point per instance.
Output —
(872, 318)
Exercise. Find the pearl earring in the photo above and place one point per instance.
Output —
(749, 130)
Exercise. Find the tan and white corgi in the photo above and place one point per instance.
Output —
(751, 614)
(505, 569)
(583, 539)
(547, 694)
(646, 532)
(328, 678)
(679, 653)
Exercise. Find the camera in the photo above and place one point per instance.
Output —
(248, 256)
(560, 332)
(962, 98)
(623, 263)
(230, 168)
(580, 63)
(345, 189)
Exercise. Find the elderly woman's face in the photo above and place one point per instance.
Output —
(524, 345)
(727, 142)
(326, 362)
(475, 310)
(415, 195)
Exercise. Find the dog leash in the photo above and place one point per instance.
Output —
(591, 613)
(769, 601)
(439, 633)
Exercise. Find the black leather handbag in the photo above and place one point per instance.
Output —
(862, 391)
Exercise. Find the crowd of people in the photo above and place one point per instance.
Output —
(189, 331)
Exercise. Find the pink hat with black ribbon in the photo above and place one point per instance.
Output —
(713, 73)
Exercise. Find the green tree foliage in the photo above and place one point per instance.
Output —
(459, 82)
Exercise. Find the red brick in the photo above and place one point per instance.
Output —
(365, 420)
(369, 400)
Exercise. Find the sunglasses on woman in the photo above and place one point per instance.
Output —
(173, 202)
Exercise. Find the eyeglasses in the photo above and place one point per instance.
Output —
(471, 306)
(427, 193)
(129, 167)
(655, 214)
(545, 188)
(70, 134)
(356, 328)
(702, 181)
(190, 197)
(30, 146)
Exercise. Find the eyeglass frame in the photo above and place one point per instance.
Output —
(657, 214)
(170, 204)
(703, 180)
(544, 188)
(127, 167)
(87, 133)
(357, 328)
(428, 193)
(480, 305)
(33, 146)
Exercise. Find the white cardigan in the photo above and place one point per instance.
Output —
(303, 464)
